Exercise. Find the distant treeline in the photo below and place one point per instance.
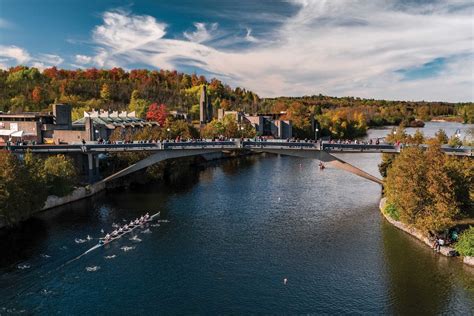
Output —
(28, 89)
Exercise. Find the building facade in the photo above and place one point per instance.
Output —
(264, 124)
(37, 127)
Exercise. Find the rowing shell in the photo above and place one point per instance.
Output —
(117, 237)
(127, 231)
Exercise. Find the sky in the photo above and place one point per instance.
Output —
(384, 49)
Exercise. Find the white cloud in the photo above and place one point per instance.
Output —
(82, 59)
(37, 64)
(330, 47)
(202, 33)
(16, 53)
(50, 59)
(249, 37)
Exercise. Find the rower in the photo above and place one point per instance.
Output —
(120, 230)
(131, 223)
(125, 227)
(137, 222)
(107, 237)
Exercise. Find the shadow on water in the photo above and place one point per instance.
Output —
(20, 243)
(235, 166)
(422, 282)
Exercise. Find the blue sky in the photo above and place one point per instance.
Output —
(394, 49)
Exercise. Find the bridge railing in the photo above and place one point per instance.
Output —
(278, 144)
(359, 147)
(199, 145)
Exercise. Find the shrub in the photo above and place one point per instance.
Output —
(465, 245)
(392, 211)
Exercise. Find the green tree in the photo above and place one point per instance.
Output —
(59, 174)
(138, 105)
(465, 244)
(18, 195)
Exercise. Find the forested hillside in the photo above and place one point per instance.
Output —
(28, 89)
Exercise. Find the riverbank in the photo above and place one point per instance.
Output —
(444, 250)
(87, 191)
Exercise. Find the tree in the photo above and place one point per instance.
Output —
(455, 141)
(105, 92)
(441, 207)
(20, 193)
(418, 138)
(426, 190)
(59, 174)
(36, 94)
(405, 185)
(387, 160)
(441, 137)
(137, 104)
(225, 104)
(465, 245)
(157, 113)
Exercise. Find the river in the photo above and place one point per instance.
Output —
(235, 231)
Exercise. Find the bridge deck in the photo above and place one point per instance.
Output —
(230, 145)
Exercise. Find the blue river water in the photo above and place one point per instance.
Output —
(232, 233)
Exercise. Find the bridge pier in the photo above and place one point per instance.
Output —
(93, 168)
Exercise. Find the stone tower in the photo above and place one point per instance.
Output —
(203, 106)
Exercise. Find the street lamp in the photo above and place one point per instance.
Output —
(168, 130)
(316, 134)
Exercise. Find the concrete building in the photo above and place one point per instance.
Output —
(100, 124)
(281, 129)
(264, 124)
(180, 115)
(34, 126)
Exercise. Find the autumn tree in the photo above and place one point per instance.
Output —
(441, 137)
(36, 94)
(157, 113)
(105, 92)
(428, 189)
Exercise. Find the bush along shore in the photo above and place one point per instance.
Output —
(32, 184)
(430, 195)
(446, 250)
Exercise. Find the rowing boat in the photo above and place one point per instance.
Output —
(127, 231)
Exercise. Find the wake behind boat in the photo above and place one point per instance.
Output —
(103, 241)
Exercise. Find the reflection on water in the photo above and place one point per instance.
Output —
(423, 280)
(235, 231)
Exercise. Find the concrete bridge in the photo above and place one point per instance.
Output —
(169, 150)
